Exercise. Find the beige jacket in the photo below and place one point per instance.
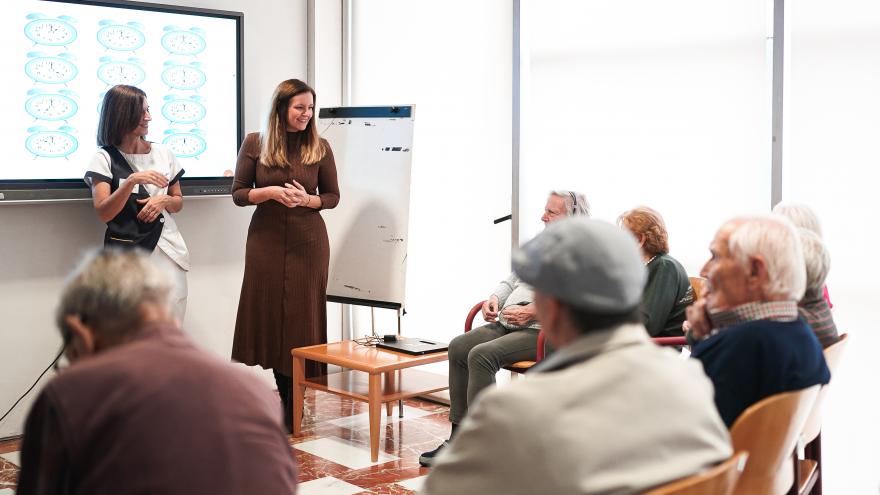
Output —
(610, 413)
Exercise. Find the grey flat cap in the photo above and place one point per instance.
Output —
(589, 264)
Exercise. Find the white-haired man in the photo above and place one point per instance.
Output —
(141, 409)
(509, 335)
(609, 411)
(754, 345)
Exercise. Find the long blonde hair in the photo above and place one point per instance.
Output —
(273, 151)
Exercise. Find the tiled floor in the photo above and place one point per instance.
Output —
(334, 451)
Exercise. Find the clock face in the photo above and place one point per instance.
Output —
(50, 70)
(50, 32)
(183, 77)
(183, 111)
(183, 42)
(121, 38)
(113, 73)
(186, 145)
(51, 144)
(51, 107)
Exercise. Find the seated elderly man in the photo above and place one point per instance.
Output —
(755, 345)
(509, 335)
(608, 412)
(813, 307)
(141, 409)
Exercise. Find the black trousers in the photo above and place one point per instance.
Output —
(285, 390)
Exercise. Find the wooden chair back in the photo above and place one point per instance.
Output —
(697, 283)
(833, 355)
(834, 352)
(769, 431)
(720, 480)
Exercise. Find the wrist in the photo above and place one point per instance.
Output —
(308, 200)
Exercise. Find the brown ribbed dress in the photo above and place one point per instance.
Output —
(283, 300)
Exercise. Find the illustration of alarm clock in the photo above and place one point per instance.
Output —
(113, 71)
(185, 144)
(51, 106)
(183, 42)
(50, 32)
(183, 110)
(44, 143)
(50, 70)
(121, 37)
(185, 77)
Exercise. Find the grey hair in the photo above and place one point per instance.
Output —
(817, 260)
(801, 215)
(107, 288)
(575, 203)
(774, 238)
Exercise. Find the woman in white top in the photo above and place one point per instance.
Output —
(136, 185)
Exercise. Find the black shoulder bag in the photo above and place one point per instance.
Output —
(125, 230)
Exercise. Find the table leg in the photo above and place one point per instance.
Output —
(375, 404)
(299, 394)
(389, 388)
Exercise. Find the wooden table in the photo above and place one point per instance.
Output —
(366, 368)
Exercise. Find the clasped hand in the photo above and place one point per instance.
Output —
(153, 207)
(153, 177)
(515, 315)
(291, 195)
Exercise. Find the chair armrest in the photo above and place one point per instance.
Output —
(539, 353)
(670, 341)
(469, 321)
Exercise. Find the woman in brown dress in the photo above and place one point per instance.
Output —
(290, 174)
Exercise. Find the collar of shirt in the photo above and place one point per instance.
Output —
(782, 311)
(812, 296)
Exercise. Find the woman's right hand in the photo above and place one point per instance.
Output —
(284, 196)
(148, 177)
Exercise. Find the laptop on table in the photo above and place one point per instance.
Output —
(413, 345)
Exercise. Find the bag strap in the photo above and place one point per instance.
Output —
(121, 162)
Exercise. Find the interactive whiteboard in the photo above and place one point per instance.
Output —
(59, 58)
(368, 230)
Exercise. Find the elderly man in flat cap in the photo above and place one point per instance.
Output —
(609, 412)
(753, 343)
(141, 409)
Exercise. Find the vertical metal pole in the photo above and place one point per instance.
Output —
(346, 51)
(311, 43)
(347, 330)
(777, 106)
(517, 125)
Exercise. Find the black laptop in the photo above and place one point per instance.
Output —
(413, 345)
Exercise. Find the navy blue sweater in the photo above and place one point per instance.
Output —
(754, 360)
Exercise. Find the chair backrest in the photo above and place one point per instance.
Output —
(769, 431)
(697, 283)
(813, 425)
(720, 480)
